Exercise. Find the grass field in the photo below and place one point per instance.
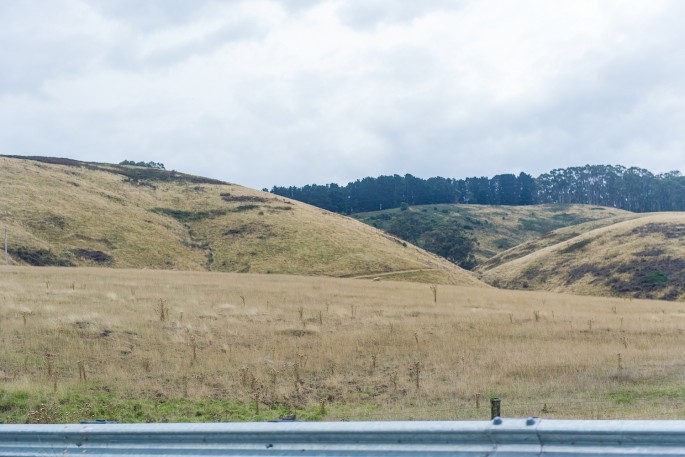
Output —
(140, 345)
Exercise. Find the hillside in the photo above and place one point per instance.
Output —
(498, 228)
(70, 213)
(552, 238)
(640, 257)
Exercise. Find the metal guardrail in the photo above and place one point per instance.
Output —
(511, 437)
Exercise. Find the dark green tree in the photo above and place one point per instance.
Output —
(450, 242)
(526, 189)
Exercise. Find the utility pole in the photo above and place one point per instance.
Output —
(7, 262)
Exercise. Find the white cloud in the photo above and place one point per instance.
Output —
(268, 92)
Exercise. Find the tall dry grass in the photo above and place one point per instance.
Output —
(357, 348)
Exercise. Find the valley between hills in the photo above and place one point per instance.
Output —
(144, 295)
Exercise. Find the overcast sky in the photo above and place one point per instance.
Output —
(290, 92)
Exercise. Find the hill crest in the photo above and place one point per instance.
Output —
(67, 212)
(642, 257)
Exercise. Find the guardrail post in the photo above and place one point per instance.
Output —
(495, 407)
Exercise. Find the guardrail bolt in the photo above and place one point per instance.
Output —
(495, 407)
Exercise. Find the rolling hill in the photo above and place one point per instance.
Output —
(552, 238)
(580, 249)
(643, 256)
(498, 228)
(69, 213)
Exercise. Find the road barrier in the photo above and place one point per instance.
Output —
(511, 437)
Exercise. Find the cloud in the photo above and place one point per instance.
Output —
(45, 40)
(363, 14)
(151, 15)
(269, 93)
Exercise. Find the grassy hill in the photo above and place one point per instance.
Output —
(69, 213)
(643, 256)
(552, 238)
(498, 228)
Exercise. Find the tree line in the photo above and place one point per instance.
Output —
(630, 188)
(158, 165)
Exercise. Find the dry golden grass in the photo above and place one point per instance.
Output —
(505, 226)
(355, 345)
(497, 228)
(552, 238)
(643, 256)
(216, 227)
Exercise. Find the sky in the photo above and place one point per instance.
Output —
(294, 92)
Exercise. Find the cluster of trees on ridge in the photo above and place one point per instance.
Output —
(633, 189)
(158, 165)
